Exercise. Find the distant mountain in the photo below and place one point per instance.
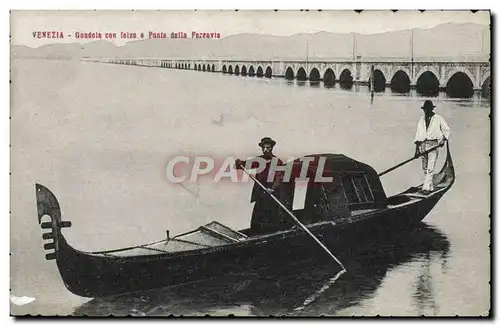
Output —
(446, 40)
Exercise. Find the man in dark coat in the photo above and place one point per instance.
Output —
(267, 214)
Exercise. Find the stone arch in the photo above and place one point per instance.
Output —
(213, 67)
(208, 68)
(313, 66)
(379, 80)
(342, 68)
(289, 73)
(329, 77)
(453, 71)
(301, 74)
(243, 70)
(346, 80)
(424, 70)
(395, 69)
(224, 69)
(204, 68)
(314, 75)
(230, 69)
(236, 70)
(427, 83)
(251, 71)
(400, 82)
(460, 85)
(260, 71)
(269, 72)
(199, 67)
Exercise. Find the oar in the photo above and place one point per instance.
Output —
(410, 159)
(295, 219)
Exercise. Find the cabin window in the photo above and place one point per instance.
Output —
(357, 189)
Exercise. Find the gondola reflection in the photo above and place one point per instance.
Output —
(304, 290)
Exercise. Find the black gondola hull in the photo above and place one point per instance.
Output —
(91, 276)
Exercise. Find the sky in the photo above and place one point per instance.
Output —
(226, 23)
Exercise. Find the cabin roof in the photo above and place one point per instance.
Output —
(349, 185)
(335, 164)
(341, 162)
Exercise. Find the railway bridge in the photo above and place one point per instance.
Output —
(459, 77)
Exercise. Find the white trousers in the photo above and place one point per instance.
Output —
(429, 163)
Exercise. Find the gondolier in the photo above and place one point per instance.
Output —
(266, 213)
(432, 130)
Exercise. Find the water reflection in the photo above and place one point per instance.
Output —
(476, 96)
(313, 83)
(304, 289)
(424, 292)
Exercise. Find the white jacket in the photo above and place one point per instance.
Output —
(438, 129)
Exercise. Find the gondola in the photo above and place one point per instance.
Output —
(290, 293)
(350, 209)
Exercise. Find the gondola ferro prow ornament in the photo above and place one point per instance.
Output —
(47, 205)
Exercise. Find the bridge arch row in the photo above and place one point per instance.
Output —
(443, 73)
(314, 70)
(251, 69)
(429, 79)
(445, 78)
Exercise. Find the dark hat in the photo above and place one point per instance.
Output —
(428, 105)
(267, 140)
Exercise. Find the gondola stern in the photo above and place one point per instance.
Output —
(446, 177)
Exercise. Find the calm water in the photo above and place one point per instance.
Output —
(99, 136)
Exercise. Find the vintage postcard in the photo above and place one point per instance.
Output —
(250, 163)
